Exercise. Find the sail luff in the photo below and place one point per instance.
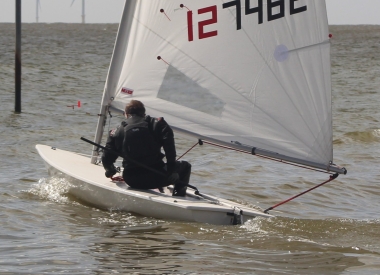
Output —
(117, 62)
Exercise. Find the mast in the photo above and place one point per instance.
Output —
(115, 68)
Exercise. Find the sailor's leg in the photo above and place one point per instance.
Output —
(140, 178)
(184, 170)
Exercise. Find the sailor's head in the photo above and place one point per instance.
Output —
(134, 108)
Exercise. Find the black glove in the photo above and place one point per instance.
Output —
(110, 172)
(173, 178)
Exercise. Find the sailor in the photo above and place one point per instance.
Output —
(140, 139)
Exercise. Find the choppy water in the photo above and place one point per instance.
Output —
(332, 230)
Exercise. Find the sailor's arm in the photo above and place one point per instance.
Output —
(108, 157)
(165, 135)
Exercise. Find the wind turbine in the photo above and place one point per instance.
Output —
(38, 7)
(83, 15)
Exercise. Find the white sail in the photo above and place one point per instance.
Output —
(249, 72)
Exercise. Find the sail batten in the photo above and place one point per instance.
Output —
(258, 76)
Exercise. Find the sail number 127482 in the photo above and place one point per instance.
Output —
(275, 10)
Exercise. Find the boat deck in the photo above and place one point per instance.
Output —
(89, 184)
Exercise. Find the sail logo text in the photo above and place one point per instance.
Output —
(127, 91)
(275, 10)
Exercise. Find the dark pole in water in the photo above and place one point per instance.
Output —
(18, 58)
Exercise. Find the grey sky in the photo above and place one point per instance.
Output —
(340, 12)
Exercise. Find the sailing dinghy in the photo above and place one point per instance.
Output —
(253, 76)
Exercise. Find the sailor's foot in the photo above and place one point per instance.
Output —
(179, 191)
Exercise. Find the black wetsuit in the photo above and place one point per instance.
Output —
(141, 139)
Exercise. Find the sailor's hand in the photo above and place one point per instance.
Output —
(173, 178)
(111, 172)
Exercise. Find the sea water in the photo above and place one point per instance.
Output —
(334, 229)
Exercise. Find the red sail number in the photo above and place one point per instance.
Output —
(202, 24)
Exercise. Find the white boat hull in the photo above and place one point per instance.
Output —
(88, 183)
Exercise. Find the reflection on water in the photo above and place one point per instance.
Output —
(150, 249)
(155, 249)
